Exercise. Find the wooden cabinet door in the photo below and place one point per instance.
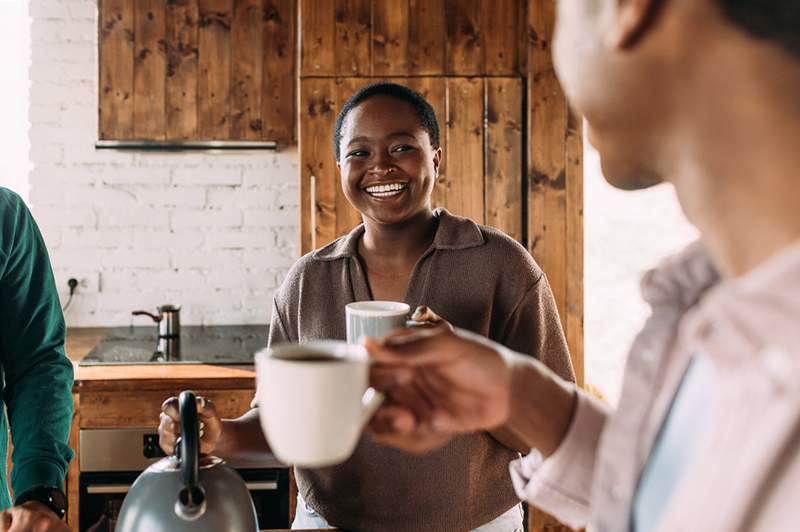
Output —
(481, 135)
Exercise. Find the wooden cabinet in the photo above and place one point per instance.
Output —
(197, 70)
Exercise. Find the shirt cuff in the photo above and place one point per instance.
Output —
(37, 473)
(561, 484)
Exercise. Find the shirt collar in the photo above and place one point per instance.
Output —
(452, 232)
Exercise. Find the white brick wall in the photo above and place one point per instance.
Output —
(215, 233)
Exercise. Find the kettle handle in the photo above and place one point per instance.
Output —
(191, 501)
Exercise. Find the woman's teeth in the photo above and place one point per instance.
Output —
(385, 191)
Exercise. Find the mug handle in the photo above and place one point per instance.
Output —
(370, 402)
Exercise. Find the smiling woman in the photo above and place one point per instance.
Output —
(475, 277)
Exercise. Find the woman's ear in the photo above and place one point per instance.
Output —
(437, 160)
(633, 19)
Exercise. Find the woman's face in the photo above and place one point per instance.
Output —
(387, 164)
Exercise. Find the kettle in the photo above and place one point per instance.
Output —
(188, 492)
(169, 332)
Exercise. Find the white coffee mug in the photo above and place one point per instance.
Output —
(314, 400)
(374, 319)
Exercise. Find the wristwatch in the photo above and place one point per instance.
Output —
(50, 496)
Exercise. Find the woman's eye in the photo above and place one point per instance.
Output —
(402, 148)
(357, 153)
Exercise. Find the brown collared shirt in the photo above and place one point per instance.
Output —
(478, 279)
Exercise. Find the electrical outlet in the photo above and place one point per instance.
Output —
(88, 282)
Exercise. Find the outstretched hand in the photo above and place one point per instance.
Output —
(438, 384)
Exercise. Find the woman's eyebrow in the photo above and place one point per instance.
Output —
(396, 134)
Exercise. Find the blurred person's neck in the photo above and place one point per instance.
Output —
(736, 160)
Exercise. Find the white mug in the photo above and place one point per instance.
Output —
(374, 319)
(314, 400)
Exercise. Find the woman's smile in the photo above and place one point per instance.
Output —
(386, 190)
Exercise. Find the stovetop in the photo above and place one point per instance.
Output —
(216, 344)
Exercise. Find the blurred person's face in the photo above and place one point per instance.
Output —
(616, 77)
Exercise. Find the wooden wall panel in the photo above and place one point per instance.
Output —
(214, 46)
(246, 69)
(504, 113)
(499, 25)
(278, 93)
(317, 113)
(116, 69)
(317, 38)
(181, 79)
(574, 214)
(464, 41)
(463, 187)
(390, 38)
(427, 34)
(353, 26)
(149, 71)
(435, 91)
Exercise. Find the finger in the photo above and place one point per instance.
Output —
(414, 347)
(170, 408)
(392, 419)
(424, 314)
(206, 409)
(5, 521)
(383, 377)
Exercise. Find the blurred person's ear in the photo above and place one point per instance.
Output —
(633, 19)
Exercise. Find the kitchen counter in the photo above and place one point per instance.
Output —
(130, 396)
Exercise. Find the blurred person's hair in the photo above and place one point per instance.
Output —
(777, 20)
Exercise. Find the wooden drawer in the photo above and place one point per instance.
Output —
(141, 409)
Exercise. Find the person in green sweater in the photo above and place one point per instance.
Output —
(36, 376)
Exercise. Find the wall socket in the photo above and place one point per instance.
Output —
(88, 282)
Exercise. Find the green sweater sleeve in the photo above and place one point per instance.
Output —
(37, 387)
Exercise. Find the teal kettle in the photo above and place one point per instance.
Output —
(187, 492)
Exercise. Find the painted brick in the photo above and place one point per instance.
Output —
(134, 217)
(240, 196)
(188, 238)
(279, 217)
(179, 196)
(136, 259)
(82, 238)
(241, 239)
(65, 216)
(268, 259)
(209, 260)
(206, 218)
(134, 175)
(198, 175)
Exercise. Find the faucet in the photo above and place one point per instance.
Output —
(169, 332)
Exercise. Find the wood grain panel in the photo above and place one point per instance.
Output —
(246, 75)
(116, 69)
(347, 217)
(214, 46)
(317, 113)
(464, 40)
(434, 90)
(499, 26)
(278, 95)
(317, 38)
(504, 113)
(181, 79)
(574, 212)
(390, 38)
(149, 70)
(352, 47)
(427, 37)
(73, 471)
(114, 410)
(463, 185)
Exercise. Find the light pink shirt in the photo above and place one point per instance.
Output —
(745, 474)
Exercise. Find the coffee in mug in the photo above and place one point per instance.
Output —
(314, 400)
(374, 319)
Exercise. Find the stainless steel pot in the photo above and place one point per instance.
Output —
(187, 492)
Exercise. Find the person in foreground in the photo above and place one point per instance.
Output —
(386, 143)
(36, 376)
(705, 95)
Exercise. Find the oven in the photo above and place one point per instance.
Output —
(111, 460)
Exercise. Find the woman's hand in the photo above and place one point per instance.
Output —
(426, 317)
(31, 516)
(169, 428)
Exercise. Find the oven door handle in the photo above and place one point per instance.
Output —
(110, 489)
(269, 485)
(107, 489)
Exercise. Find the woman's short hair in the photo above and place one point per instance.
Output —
(424, 110)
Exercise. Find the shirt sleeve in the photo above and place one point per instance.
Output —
(534, 328)
(561, 484)
(38, 376)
